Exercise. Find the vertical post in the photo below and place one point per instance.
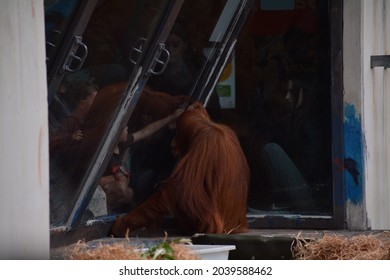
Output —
(376, 114)
(24, 163)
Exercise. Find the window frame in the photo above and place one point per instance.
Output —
(75, 230)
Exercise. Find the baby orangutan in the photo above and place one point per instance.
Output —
(207, 190)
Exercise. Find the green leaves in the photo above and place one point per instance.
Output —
(164, 251)
(161, 251)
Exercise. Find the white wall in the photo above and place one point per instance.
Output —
(367, 33)
(376, 108)
(24, 177)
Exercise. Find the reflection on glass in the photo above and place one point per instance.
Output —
(58, 17)
(83, 107)
(283, 112)
(152, 159)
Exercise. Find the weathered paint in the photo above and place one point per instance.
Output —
(352, 164)
(354, 99)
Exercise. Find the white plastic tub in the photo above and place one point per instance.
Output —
(212, 252)
(209, 252)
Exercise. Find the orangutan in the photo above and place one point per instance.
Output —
(207, 189)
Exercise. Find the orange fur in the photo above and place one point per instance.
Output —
(153, 104)
(207, 190)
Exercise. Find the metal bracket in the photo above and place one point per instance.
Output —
(137, 50)
(380, 61)
(160, 60)
(74, 62)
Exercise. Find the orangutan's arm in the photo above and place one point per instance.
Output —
(149, 214)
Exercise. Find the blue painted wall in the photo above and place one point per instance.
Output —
(353, 158)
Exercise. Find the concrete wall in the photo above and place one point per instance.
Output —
(24, 164)
(367, 112)
(376, 111)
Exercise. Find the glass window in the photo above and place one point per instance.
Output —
(195, 43)
(88, 100)
(149, 159)
(278, 99)
(274, 92)
(58, 18)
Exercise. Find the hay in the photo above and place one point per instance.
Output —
(334, 247)
(121, 250)
(114, 251)
(181, 252)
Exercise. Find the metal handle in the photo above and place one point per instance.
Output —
(72, 57)
(137, 50)
(161, 59)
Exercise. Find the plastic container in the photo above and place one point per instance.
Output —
(212, 252)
